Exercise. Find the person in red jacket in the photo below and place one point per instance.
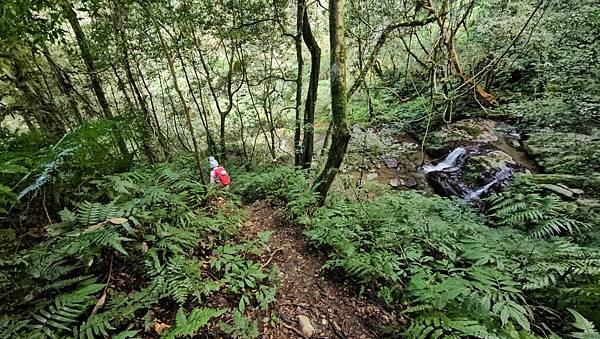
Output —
(218, 174)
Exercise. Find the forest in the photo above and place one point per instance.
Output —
(300, 169)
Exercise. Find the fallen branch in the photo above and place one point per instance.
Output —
(270, 258)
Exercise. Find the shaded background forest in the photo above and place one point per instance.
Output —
(110, 108)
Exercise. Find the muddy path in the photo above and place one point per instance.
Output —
(333, 307)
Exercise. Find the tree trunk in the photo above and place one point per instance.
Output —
(188, 113)
(341, 132)
(299, 61)
(311, 96)
(64, 84)
(88, 60)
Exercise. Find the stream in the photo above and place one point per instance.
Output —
(477, 157)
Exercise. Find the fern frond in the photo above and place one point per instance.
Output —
(190, 325)
(65, 309)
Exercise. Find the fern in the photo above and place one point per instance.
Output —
(586, 328)
(541, 216)
(179, 278)
(190, 325)
(65, 309)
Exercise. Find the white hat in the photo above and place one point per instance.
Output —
(213, 162)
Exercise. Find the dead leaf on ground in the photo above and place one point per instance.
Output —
(306, 326)
(118, 221)
(160, 327)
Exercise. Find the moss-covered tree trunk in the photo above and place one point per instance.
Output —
(340, 130)
(299, 67)
(88, 60)
(311, 96)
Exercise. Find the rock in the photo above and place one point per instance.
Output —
(567, 193)
(410, 183)
(464, 132)
(306, 326)
(567, 153)
(391, 162)
(477, 173)
(372, 176)
(577, 191)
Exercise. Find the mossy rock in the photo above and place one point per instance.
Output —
(569, 153)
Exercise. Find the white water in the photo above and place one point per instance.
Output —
(502, 175)
(449, 162)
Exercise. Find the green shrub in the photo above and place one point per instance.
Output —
(458, 276)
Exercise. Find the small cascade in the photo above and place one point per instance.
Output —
(504, 174)
(470, 177)
(449, 162)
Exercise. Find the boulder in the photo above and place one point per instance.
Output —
(566, 153)
(475, 172)
(395, 183)
(391, 162)
(559, 189)
(405, 182)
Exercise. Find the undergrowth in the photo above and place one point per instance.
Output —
(458, 276)
(140, 241)
(445, 267)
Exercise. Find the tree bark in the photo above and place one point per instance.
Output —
(299, 62)
(64, 84)
(311, 96)
(88, 60)
(188, 114)
(341, 132)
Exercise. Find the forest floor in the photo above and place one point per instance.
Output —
(332, 306)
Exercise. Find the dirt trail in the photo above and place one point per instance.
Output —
(333, 307)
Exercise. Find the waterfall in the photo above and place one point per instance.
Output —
(449, 162)
(504, 173)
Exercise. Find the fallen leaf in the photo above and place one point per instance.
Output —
(160, 327)
(306, 326)
(100, 303)
(94, 227)
(118, 221)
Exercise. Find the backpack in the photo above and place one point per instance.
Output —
(223, 176)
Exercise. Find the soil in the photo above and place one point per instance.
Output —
(333, 306)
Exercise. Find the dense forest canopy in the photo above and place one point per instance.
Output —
(438, 159)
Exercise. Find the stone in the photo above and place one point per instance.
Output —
(391, 162)
(559, 190)
(306, 326)
(577, 191)
(372, 176)
(410, 183)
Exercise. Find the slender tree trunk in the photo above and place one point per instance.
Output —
(64, 84)
(311, 96)
(211, 147)
(162, 140)
(188, 113)
(88, 60)
(153, 146)
(122, 88)
(300, 62)
(340, 130)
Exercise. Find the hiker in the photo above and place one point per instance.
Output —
(218, 174)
